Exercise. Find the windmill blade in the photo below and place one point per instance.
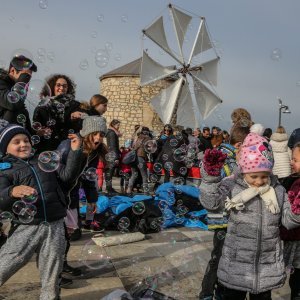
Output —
(152, 70)
(202, 41)
(208, 72)
(156, 33)
(164, 103)
(180, 22)
(206, 100)
(186, 115)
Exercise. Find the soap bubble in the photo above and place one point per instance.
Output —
(179, 154)
(138, 208)
(221, 235)
(157, 167)
(20, 89)
(49, 161)
(183, 171)
(153, 178)
(276, 54)
(91, 174)
(21, 119)
(94, 257)
(110, 156)
(94, 34)
(27, 214)
(30, 199)
(100, 18)
(124, 18)
(51, 122)
(108, 46)
(178, 181)
(6, 216)
(101, 58)
(173, 142)
(165, 157)
(123, 223)
(118, 56)
(168, 166)
(84, 64)
(43, 4)
(13, 97)
(51, 56)
(150, 146)
(34, 89)
(18, 206)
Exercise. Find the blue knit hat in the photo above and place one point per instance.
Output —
(7, 133)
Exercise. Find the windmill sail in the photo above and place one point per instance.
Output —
(156, 33)
(186, 111)
(208, 72)
(152, 71)
(206, 100)
(202, 41)
(164, 103)
(180, 22)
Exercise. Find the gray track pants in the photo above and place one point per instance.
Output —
(48, 241)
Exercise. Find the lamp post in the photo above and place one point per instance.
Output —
(282, 109)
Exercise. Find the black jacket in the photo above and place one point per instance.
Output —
(50, 196)
(112, 140)
(62, 121)
(71, 190)
(10, 111)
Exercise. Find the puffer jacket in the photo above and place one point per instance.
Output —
(51, 199)
(279, 143)
(10, 111)
(252, 256)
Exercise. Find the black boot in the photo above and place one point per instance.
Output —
(70, 270)
(64, 282)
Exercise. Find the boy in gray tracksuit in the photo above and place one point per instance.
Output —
(38, 203)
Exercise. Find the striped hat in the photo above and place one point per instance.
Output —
(7, 133)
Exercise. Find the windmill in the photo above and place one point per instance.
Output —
(192, 92)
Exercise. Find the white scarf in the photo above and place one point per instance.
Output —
(266, 192)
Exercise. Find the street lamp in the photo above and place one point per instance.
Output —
(282, 109)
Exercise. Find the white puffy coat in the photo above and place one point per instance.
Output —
(282, 167)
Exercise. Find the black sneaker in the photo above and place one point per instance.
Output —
(64, 282)
(76, 235)
(70, 270)
(93, 226)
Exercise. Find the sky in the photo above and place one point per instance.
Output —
(257, 40)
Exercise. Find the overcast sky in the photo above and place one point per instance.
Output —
(258, 41)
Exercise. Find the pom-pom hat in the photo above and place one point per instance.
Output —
(256, 153)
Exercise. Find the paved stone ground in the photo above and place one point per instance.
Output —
(173, 261)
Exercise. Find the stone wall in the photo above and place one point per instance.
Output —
(129, 103)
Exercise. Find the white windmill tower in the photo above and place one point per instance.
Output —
(192, 93)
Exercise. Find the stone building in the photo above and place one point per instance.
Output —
(128, 102)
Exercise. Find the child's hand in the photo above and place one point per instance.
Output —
(213, 161)
(21, 191)
(75, 141)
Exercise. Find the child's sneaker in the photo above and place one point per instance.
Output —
(93, 226)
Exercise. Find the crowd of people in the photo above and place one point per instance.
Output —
(249, 185)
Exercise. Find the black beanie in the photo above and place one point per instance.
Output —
(7, 133)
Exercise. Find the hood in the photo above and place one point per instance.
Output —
(279, 137)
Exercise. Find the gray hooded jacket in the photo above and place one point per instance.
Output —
(252, 256)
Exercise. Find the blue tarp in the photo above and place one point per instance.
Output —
(165, 199)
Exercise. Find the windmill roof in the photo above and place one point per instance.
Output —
(133, 69)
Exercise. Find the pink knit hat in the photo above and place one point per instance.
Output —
(256, 153)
